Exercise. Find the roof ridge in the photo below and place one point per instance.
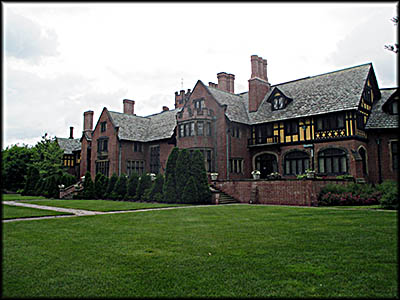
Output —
(133, 115)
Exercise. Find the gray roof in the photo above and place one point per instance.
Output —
(330, 92)
(145, 129)
(69, 145)
(380, 119)
(325, 93)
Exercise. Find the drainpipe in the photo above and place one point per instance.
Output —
(378, 142)
(119, 158)
(227, 153)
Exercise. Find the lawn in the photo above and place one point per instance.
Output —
(14, 197)
(99, 205)
(215, 251)
(12, 212)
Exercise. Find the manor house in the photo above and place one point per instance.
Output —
(338, 123)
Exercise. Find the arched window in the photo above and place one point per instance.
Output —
(266, 164)
(332, 161)
(363, 156)
(296, 162)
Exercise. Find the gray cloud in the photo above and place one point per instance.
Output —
(26, 39)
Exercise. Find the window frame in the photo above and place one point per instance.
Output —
(299, 162)
(328, 166)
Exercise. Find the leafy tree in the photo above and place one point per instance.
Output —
(120, 188)
(182, 173)
(169, 188)
(190, 191)
(100, 185)
(132, 186)
(199, 173)
(111, 183)
(47, 157)
(144, 184)
(67, 179)
(15, 164)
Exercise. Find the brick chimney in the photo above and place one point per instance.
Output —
(258, 83)
(88, 120)
(181, 98)
(226, 82)
(129, 106)
(71, 132)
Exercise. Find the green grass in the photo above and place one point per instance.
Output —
(13, 212)
(99, 205)
(15, 197)
(218, 251)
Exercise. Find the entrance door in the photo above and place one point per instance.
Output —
(266, 164)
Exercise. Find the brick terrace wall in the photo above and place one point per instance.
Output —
(278, 192)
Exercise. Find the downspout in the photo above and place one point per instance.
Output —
(378, 142)
(227, 153)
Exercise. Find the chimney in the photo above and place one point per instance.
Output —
(71, 132)
(165, 108)
(258, 83)
(226, 82)
(88, 120)
(129, 107)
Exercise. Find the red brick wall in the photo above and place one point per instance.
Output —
(278, 192)
(387, 171)
(83, 164)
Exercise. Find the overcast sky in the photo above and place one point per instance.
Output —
(61, 60)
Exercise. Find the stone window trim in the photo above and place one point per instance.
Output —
(366, 157)
(236, 165)
(261, 153)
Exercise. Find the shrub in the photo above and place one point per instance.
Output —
(190, 191)
(88, 191)
(182, 173)
(100, 185)
(198, 171)
(132, 186)
(144, 184)
(350, 194)
(31, 181)
(67, 179)
(120, 188)
(390, 193)
(110, 186)
(169, 188)
(156, 188)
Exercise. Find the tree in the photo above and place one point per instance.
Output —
(31, 181)
(88, 187)
(143, 185)
(100, 185)
(199, 173)
(120, 188)
(111, 183)
(132, 186)
(156, 189)
(169, 188)
(15, 164)
(190, 191)
(182, 174)
(395, 47)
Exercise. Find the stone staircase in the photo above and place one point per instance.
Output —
(222, 197)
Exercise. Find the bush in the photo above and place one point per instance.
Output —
(120, 188)
(350, 194)
(100, 186)
(88, 191)
(169, 188)
(132, 186)
(156, 188)
(68, 179)
(190, 191)
(31, 181)
(110, 186)
(198, 171)
(390, 194)
(182, 175)
(144, 184)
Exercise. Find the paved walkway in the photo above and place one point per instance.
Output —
(80, 212)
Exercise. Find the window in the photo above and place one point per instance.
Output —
(200, 128)
(191, 129)
(279, 102)
(102, 167)
(102, 145)
(329, 122)
(291, 127)
(367, 95)
(360, 121)
(208, 128)
(155, 159)
(236, 165)
(263, 132)
(137, 147)
(332, 161)
(393, 108)
(235, 131)
(186, 129)
(199, 104)
(395, 155)
(296, 162)
(103, 126)
(69, 160)
(181, 131)
(134, 166)
(207, 154)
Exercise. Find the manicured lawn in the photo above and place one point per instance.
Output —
(99, 205)
(12, 212)
(15, 197)
(215, 251)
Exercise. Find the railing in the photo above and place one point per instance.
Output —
(264, 140)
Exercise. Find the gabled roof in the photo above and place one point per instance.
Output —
(69, 145)
(144, 129)
(330, 92)
(378, 118)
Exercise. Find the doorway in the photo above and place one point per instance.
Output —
(266, 164)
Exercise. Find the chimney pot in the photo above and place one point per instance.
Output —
(254, 66)
(88, 120)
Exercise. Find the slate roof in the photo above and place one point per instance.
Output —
(380, 119)
(145, 129)
(320, 94)
(69, 145)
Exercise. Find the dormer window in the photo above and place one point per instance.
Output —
(278, 103)
(393, 108)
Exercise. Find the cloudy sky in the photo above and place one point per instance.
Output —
(61, 60)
